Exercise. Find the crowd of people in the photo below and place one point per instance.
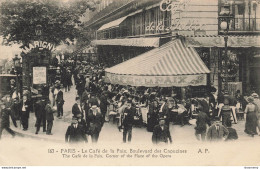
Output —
(156, 108)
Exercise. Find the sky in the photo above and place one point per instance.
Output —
(8, 52)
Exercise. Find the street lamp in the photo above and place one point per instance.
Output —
(224, 19)
(18, 71)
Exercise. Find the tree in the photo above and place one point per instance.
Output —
(59, 20)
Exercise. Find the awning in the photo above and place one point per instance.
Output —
(112, 24)
(139, 42)
(172, 64)
(218, 41)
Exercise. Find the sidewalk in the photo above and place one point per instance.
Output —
(59, 125)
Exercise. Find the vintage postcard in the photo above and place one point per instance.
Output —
(129, 83)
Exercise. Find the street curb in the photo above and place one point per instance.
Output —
(34, 136)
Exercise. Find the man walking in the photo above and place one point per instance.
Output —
(49, 117)
(128, 120)
(75, 133)
(161, 133)
(4, 120)
(94, 123)
(217, 132)
(59, 102)
(201, 124)
(76, 108)
(40, 114)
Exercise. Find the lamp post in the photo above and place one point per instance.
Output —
(224, 19)
(18, 72)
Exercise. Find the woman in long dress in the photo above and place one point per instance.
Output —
(251, 118)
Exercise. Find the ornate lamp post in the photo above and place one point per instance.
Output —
(224, 20)
(18, 72)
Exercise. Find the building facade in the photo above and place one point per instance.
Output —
(127, 29)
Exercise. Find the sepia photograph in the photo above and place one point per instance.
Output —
(129, 83)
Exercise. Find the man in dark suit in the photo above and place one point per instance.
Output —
(40, 114)
(217, 132)
(161, 133)
(75, 133)
(232, 132)
(94, 123)
(128, 120)
(4, 120)
(9, 102)
(201, 124)
(49, 117)
(59, 102)
(76, 108)
(103, 104)
(26, 108)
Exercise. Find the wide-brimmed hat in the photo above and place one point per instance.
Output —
(255, 95)
(74, 121)
(94, 106)
(250, 99)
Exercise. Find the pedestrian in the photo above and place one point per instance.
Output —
(4, 120)
(128, 120)
(40, 114)
(257, 103)
(161, 133)
(153, 115)
(251, 118)
(76, 108)
(59, 101)
(104, 103)
(16, 109)
(9, 102)
(83, 123)
(84, 97)
(94, 123)
(226, 112)
(201, 124)
(232, 133)
(75, 133)
(26, 108)
(217, 132)
(49, 117)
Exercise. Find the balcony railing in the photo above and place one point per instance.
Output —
(244, 24)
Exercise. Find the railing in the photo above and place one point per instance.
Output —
(244, 24)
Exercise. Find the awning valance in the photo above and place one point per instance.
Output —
(218, 41)
(139, 42)
(112, 24)
(172, 64)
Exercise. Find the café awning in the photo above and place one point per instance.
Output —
(112, 24)
(172, 64)
(138, 42)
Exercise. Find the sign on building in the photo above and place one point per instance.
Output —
(39, 75)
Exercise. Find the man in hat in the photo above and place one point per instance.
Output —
(40, 114)
(104, 104)
(59, 102)
(76, 108)
(217, 132)
(94, 123)
(4, 120)
(257, 103)
(82, 122)
(127, 121)
(161, 133)
(201, 124)
(75, 133)
(9, 102)
(26, 108)
(49, 117)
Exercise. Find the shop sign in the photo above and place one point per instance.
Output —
(38, 44)
(39, 75)
(174, 5)
(153, 81)
(178, 23)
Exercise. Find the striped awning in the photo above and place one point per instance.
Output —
(172, 64)
(112, 24)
